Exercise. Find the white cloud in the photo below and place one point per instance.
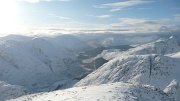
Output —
(117, 6)
(59, 17)
(36, 1)
(104, 16)
(140, 25)
(177, 17)
(144, 8)
(125, 25)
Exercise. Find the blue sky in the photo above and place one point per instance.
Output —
(100, 15)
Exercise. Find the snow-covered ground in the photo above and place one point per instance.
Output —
(147, 72)
(107, 92)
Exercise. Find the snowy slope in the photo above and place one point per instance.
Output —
(161, 47)
(37, 64)
(153, 70)
(59, 60)
(8, 91)
(50, 63)
(24, 69)
(107, 92)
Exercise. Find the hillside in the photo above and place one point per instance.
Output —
(37, 64)
(40, 67)
(153, 70)
(107, 92)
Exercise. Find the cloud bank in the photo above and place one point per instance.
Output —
(117, 6)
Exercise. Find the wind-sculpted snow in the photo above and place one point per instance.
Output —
(8, 91)
(107, 92)
(153, 70)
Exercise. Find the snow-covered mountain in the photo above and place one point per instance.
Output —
(161, 47)
(156, 64)
(140, 72)
(107, 92)
(144, 61)
(153, 70)
(37, 64)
